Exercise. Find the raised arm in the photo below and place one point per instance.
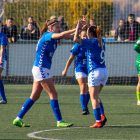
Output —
(71, 58)
(76, 36)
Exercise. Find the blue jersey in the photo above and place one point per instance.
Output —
(3, 41)
(95, 56)
(81, 58)
(45, 50)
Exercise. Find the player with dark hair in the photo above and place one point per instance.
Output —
(80, 71)
(46, 47)
(97, 72)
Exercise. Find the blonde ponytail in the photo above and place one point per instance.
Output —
(98, 33)
(44, 29)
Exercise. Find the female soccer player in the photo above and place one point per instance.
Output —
(3, 61)
(137, 49)
(46, 47)
(80, 71)
(97, 72)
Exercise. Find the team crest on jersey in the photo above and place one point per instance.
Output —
(51, 54)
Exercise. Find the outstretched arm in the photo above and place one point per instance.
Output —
(64, 73)
(63, 35)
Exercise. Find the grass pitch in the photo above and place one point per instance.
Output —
(119, 102)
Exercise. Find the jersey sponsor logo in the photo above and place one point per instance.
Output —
(84, 61)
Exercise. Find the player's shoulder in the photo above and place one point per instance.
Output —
(2, 34)
(76, 45)
(138, 41)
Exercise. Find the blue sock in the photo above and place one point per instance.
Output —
(83, 101)
(26, 106)
(2, 93)
(97, 114)
(88, 97)
(56, 110)
(101, 108)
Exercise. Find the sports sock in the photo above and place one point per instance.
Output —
(56, 110)
(88, 97)
(26, 106)
(138, 95)
(101, 108)
(2, 93)
(83, 101)
(97, 114)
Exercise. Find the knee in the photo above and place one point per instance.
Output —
(83, 89)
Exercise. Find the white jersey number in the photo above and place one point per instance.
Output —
(102, 55)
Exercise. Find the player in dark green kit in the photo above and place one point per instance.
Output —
(137, 49)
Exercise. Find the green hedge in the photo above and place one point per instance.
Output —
(72, 10)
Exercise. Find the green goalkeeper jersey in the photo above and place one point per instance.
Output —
(137, 49)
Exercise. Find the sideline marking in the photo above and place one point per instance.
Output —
(32, 134)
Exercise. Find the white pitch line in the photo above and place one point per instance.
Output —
(32, 134)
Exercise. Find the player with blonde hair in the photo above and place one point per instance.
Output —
(46, 47)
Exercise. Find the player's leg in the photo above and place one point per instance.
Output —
(96, 80)
(138, 85)
(48, 86)
(87, 98)
(103, 82)
(103, 118)
(138, 91)
(36, 91)
(94, 91)
(83, 97)
(2, 92)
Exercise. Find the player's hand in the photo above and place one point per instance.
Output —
(85, 27)
(64, 73)
(1, 63)
(33, 31)
(9, 40)
(83, 21)
(13, 39)
(127, 40)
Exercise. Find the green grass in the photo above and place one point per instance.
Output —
(119, 103)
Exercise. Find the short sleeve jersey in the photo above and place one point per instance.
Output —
(137, 49)
(3, 41)
(45, 50)
(81, 58)
(95, 56)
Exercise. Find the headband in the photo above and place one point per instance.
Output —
(53, 23)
